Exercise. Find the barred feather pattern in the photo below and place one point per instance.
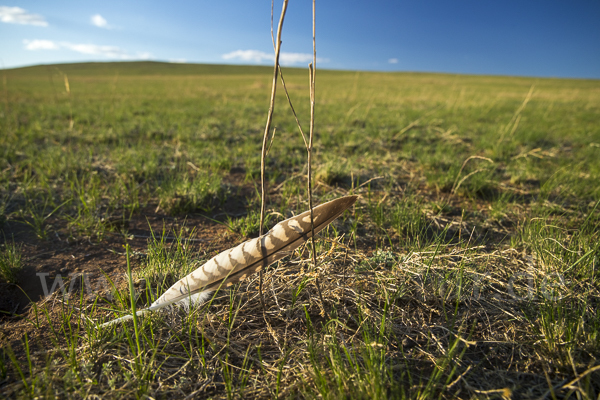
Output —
(236, 264)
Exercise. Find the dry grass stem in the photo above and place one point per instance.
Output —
(263, 194)
(312, 72)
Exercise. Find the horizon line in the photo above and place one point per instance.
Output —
(294, 67)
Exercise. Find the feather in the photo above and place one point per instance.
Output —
(237, 263)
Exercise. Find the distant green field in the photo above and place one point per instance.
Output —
(136, 115)
(470, 261)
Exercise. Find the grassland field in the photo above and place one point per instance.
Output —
(467, 268)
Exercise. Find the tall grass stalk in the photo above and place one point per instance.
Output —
(263, 157)
(312, 72)
(136, 329)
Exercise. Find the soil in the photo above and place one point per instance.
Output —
(60, 257)
(67, 258)
(49, 259)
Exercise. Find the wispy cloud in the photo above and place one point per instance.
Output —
(296, 58)
(178, 61)
(248, 55)
(39, 44)
(93, 49)
(86, 48)
(17, 15)
(257, 56)
(99, 21)
(393, 61)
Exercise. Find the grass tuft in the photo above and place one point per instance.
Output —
(11, 262)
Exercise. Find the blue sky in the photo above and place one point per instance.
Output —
(543, 38)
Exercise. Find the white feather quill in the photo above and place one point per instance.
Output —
(237, 263)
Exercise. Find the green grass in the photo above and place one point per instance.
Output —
(468, 267)
(11, 262)
(166, 262)
(248, 225)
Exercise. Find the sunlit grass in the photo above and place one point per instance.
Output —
(468, 267)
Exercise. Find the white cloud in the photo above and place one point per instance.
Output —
(295, 58)
(17, 15)
(105, 51)
(142, 55)
(249, 55)
(178, 61)
(257, 56)
(40, 44)
(93, 49)
(99, 21)
(86, 48)
(393, 61)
